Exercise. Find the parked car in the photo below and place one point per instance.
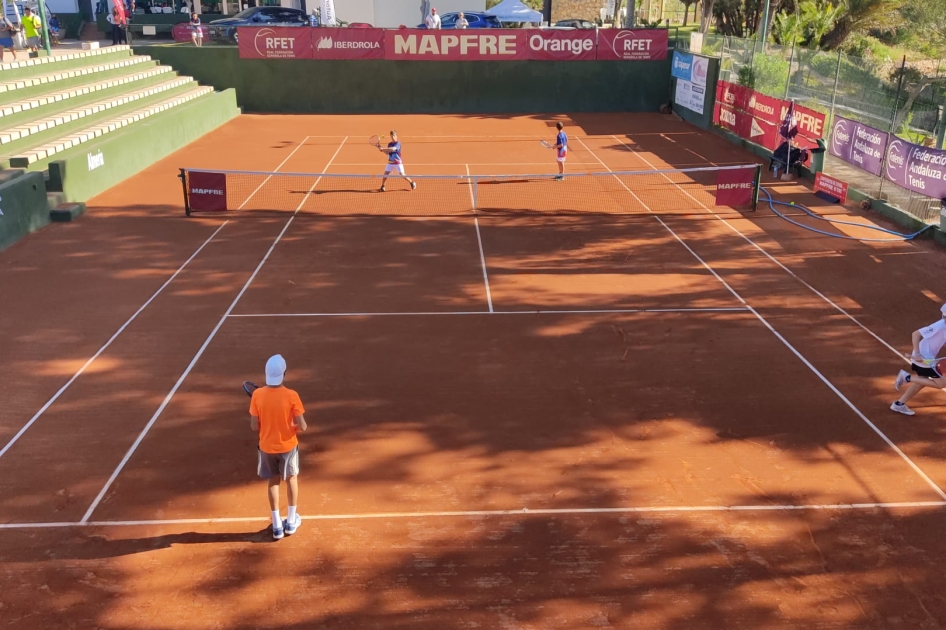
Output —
(181, 32)
(226, 29)
(476, 20)
(575, 24)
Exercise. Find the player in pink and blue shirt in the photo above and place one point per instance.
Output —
(561, 148)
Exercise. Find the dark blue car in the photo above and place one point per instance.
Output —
(226, 29)
(476, 20)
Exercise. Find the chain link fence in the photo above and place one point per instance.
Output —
(905, 99)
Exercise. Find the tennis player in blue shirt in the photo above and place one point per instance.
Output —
(561, 146)
(394, 162)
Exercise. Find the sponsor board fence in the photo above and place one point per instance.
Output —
(875, 112)
(450, 45)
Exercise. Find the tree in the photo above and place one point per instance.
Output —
(616, 18)
(883, 15)
(737, 17)
(914, 82)
(706, 16)
(818, 19)
(686, 9)
(788, 29)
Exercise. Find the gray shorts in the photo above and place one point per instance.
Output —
(283, 464)
(32, 42)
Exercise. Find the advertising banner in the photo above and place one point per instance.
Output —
(756, 117)
(917, 168)
(688, 67)
(859, 145)
(207, 192)
(275, 43)
(632, 44)
(735, 187)
(347, 43)
(834, 187)
(689, 95)
(562, 45)
(462, 45)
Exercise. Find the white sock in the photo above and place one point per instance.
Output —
(292, 514)
(277, 522)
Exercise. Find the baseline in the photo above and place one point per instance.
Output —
(487, 513)
(605, 311)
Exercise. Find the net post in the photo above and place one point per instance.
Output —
(756, 187)
(475, 191)
(187, 205)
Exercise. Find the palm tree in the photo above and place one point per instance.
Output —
(818, 19)
(863, 15)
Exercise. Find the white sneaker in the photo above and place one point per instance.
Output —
(292, 527)
(899, 407)
(902, 378)
(277, 532)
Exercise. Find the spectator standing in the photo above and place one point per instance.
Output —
(461, 22)
(433, 20)
(53, 29)
(117, 20)
(7, 33)
(31, 27)
(197, 35)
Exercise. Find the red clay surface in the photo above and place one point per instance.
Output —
(420, 421)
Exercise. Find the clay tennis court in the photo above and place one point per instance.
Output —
(675, 416)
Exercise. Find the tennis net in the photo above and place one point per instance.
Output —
(625, 192)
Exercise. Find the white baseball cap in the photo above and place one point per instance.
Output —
(275, 370)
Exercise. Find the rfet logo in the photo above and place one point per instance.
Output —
(275, 43)
(632, 44)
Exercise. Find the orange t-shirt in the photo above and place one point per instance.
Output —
(276, 407)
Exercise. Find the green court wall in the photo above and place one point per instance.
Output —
(121, 154)
(23, 204)
(423, 87)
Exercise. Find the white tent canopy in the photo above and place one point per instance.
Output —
(514, 11)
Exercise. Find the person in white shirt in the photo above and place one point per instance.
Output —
(461, 22)
(927, 344)
(433, 20)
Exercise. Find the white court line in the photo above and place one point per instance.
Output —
(670, 509)
(190, 366)
(118, 332)
(603, 311)
(281, 164)
(412, 164)
(479, 241)
(798, 354)
(784, 268)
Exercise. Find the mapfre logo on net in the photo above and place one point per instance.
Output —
(207, 191)
(272, 46)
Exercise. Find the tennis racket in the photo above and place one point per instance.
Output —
(375, 141)
(249, 388)
(546, 144)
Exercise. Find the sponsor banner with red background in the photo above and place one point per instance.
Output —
(462, 45)
(207, 192)
(562, 45)
(275, 43)
(632, 44)
(347, 43)
(756, 117)
(834, 187)
(735, 187)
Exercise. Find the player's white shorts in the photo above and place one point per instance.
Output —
(392, 168)
(561, 159)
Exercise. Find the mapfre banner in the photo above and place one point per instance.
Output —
(632, 44)
(462, 45)
(756, 117)
(452, 45)
(275, 43)
(347, 43)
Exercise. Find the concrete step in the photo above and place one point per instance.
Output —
(59, 145)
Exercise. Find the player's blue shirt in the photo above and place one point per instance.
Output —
(562, 139)
(394, 157)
